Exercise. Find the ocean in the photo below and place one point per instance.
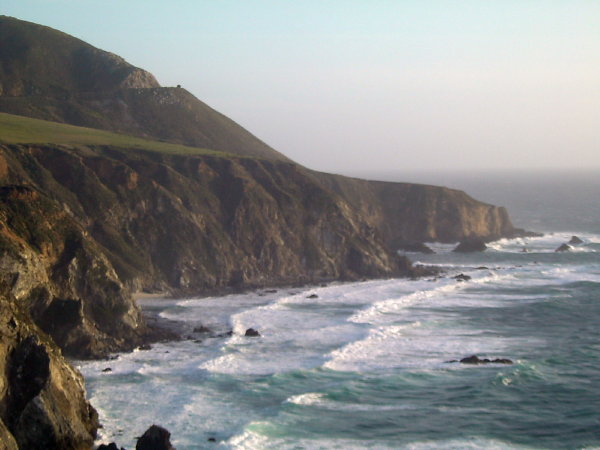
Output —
(365, 365)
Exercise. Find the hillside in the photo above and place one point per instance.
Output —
(47, 74)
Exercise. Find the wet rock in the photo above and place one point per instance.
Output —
(564, 248)
(251, 332)
(416, 247)
(155, 438)
(470, 245)
(270, 291)
(474, 359)
(575, 240)
(202, 329)
(111, 446)
(108, 369)
(313, 296)
(211, 439)
(462, 277)
(145, 347)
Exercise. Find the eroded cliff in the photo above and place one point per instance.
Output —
(42, 399)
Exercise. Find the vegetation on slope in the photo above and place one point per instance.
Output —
(24, 130)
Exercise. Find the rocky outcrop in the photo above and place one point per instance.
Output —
(415, 247)
(62, 277)
(564, 248)
(470, 245)
(42, 401)
(155, 438)
(575, 240)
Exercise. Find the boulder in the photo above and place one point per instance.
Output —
(575, 241)
(462, 277)
(251, 332)
(155, 438)
(564, 248)
(470, 245)
(416, 247)
(313, 296)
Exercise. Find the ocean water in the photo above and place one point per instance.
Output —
(364, 365)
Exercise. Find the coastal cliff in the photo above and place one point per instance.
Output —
(42, 399)
(84, 226)
(408, 212)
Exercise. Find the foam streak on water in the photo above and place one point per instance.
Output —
(364, 365)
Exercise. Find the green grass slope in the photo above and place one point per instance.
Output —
(24, 130)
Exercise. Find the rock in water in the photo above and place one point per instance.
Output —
(251, 332)
(474, 359)
(462, 277)
(417, 247)
(564, 248)
(470, 245)
(575, 241)
(155, 438)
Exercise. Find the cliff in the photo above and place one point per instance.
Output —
(408, 212)
(42, 400)
(61, 277)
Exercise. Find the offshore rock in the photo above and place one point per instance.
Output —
(42, 400)
(251, 332)
(417, 247)
(462, 277)
(470, 245)
(474, 359)
(575, 241)
(155, 438)
(564, 248)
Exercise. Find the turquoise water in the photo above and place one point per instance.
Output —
(364, 364)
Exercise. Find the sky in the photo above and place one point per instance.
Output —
(371, 87)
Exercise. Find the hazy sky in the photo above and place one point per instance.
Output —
(371, 86)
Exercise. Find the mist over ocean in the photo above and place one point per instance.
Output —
(363, 365)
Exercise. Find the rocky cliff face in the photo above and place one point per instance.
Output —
(407, 212)
(42, 400)
(60, 276)
(191, 223)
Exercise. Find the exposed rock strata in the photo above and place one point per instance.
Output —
(62, 277)
(42, 401)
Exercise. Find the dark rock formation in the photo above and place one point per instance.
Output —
(155, 438)
(42, 402)
(564, 248)
(474, 359)
(417, 247)
(575, 241)
(202, 329)
(251, 332)
(470, 245)
(312, 296)
(111, 446)
(462, 277)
